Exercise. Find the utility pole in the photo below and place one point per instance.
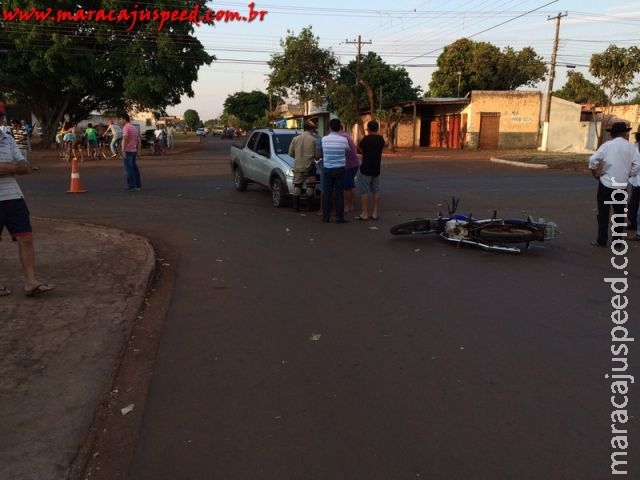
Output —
(359, 44)
(552, 76)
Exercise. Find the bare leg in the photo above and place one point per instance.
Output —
(28, 261)
(26, 252)
(348, 200)
(364, 205)
(376, 204)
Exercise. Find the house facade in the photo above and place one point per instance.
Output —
(629, 114)
(493, 120)
(503, 119)
(483, 119)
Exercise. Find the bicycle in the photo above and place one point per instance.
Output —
(67, 150)
(492, 234)
(105, 147)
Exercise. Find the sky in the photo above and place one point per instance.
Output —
(405, 33)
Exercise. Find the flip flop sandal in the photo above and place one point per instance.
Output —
(4, 291)
(39, 290)
(361, 218)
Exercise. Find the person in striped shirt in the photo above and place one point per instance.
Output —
(14, 214)
(334, 150)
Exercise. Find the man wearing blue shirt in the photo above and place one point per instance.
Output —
(334, 149)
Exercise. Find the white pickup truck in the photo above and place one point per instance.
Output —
(263, 158)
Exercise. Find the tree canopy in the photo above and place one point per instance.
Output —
(466, 65)
(75, 68)
(191, 119)
(380, 87)
(616, 68)
(580, 90)
(251, 108)
(303, 68)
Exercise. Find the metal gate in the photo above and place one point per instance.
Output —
(444, 131)
(489, 130)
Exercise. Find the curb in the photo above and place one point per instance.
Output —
(519, 164)
(63, 350)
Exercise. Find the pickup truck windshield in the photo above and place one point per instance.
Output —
(281, 143)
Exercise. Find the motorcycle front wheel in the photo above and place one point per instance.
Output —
(414, 227)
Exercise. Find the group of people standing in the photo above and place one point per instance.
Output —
(335, 158)
(616, 164)
(21, 133)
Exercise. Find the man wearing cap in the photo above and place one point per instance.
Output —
(613, 164)
(14, 213)
(305, 151)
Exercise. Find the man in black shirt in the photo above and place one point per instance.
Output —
(368, 178)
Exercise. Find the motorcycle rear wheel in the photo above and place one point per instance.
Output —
(505, 234)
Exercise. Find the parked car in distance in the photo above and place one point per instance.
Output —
(263, 158)
(201, 132)
(147, 137)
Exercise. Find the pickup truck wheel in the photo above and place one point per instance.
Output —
(278, 193)
(238, 180)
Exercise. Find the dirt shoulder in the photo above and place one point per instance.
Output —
(554, 160)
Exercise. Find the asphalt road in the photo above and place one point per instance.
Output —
(293, 349)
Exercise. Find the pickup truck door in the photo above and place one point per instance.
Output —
(263, 163)
(249, 157)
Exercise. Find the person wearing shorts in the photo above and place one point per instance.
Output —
(352, 169)
(368, 177)
(92, 141)
(14, 213)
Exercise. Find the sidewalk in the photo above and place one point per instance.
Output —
(59, 351)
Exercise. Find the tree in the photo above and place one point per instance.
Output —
(191, 119)
(249, 107)
(381, 86)
(76, 68)
(390, 120)
(580, 90)
(229, 120)
(616, 68)
(303, 69)
(466, 65)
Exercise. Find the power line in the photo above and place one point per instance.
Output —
(487, 29)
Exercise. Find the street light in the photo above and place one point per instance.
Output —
(459, 77)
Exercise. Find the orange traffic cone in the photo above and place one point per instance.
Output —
(75, 186)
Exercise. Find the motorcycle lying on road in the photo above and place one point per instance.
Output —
(492, 234)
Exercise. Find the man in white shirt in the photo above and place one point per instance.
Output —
(613, 164)
(14, 214)
(171, 130)
(334, 151)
